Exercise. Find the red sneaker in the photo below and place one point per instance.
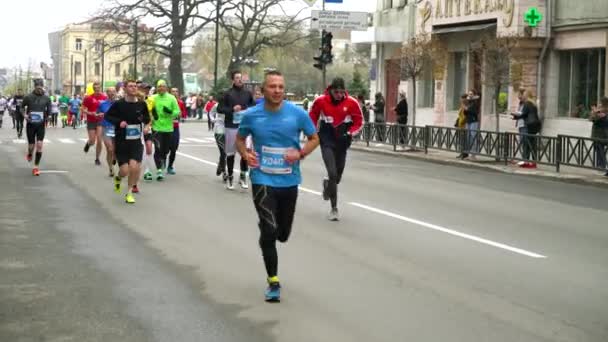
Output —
(135, 189)
(28, 157)
(532, 166)
(36, 172)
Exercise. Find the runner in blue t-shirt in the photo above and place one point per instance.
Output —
(108, 129)
(275, 127)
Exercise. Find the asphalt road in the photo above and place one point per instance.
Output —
(424, 252)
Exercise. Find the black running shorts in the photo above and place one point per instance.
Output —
(127, 151)
(35, 132)
(148, 137)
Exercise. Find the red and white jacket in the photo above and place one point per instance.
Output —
(337, 121)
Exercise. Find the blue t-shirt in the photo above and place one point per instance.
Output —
(273, 134)
(104, 106)
(75, 105)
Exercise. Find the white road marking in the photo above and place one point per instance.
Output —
(19, 141)
(196, 159)
(198, 140)
(450, 231)
(67, 141)
(184, 140)
(310, 191)
(53, 171)
(83, 139)
(410, 220)
(47, 141)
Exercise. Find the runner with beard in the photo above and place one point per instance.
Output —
(36, 108)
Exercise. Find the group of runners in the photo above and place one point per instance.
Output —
(262, 127)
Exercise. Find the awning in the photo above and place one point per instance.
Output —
(462, 28)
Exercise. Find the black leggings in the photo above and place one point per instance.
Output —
(162, 145)
(220, 140)
(276, 208)
(174, 146)
(230, 163)
(335, 161)
(19, 126)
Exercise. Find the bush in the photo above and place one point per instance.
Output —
(503, 99)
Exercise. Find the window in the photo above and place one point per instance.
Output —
(78, 45)
(97, 69)
(98, 45)
(459, 77)
(116, 49)
(131, 69)
(131, 48)
(426, 87)
(77, 68)
(581, 81)
(117, 69)
(388, 4)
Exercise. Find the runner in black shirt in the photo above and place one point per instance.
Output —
(130, 117)
(18, 103)
(36, 109)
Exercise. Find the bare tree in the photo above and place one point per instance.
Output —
(175, 21)
(416, 54)
(498, 68)
(254, 25)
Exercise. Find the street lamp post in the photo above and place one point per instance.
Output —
(217, 41)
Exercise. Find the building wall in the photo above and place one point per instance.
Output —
(568, 12)
(123, 56)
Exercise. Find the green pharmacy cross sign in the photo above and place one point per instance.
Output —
(533, 17)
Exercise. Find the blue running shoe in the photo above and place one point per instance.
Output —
(170, 170)
(273, 293)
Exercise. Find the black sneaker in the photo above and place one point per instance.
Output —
(325, 192)
(219, 170)
(224, 177)
(86, 147)
(97, 162)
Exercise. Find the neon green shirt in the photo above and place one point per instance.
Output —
(167, 109)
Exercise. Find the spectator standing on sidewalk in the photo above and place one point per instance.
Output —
(402, 112)
(461, 123)
(599, 130)
(471, 113)
(379, 115)
(529, 113)
(364, 107)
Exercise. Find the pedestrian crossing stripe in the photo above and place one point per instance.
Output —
(71, 141)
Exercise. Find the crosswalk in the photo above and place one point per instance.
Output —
(72, 141)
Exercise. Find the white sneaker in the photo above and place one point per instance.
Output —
(334, 215)
(243, 182)
(230, 183)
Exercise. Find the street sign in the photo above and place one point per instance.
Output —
(310, 2)
(339, 20)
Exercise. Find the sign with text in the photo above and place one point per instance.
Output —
(339, 20)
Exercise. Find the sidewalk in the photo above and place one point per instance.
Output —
(566, 174)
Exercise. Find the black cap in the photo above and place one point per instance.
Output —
(38, 82)
(337, 83)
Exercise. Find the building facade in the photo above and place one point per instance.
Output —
(84, 53)
(562, 59)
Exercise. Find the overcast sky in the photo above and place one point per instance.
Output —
(26, 24)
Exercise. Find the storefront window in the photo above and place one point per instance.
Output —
(426, 88)
(459, 75)
(581, 81)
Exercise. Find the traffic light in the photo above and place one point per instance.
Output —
(326, 57)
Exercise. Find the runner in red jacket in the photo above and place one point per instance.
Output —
(340, 118)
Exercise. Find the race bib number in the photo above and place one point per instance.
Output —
(110, 131)
(237, 117)
(133, 132)
(273, 161)
(36, 117)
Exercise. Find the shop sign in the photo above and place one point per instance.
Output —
(454, 11)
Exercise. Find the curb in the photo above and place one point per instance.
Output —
(499, 169)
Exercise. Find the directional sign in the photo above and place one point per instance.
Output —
(339, 20)
(310, 2)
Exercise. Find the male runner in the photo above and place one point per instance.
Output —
(3, 105)
(75, 104)
(54, 111)
(130, 117)
(18, 102)
(341, 118)
(275, 127)
(176, 136)
(11, 110)
(234, 102)
(94, 118)
(167, 110)
(108, 129)
(148, 159)
(36, 108)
